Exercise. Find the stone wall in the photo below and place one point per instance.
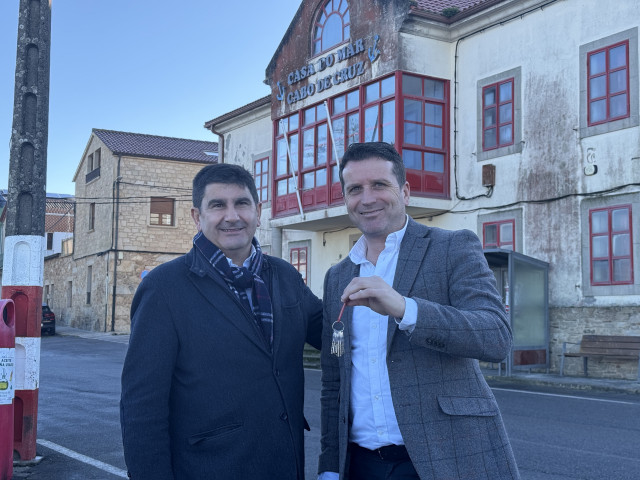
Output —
(568, 324)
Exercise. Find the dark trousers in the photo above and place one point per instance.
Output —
(385, 463)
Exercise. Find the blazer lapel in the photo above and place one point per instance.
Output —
(412, 252)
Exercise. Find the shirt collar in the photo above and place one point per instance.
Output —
(247, 262)
(358, 253)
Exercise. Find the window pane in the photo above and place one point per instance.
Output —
(506, 135)
(339, 104)
(618, 57)
(154, 219)
(618, 81)
(620, 245)
(292, 185)
(354, 128)
(353, 99)
(294, 256)
(600, 246)
(619, 105)
(434, 89)
(599, 222)
(309, 115)
(281, 164)
(308, 180)
(434, 162)
(258, 168)
(321, 112)
(412, 133)
(505, 91)
(258, 182)
(322, 144)
(282, 187)
(601, 271)
(332, 32)
(505, 112)
(598, 87)
(489, 96)
(433, 113)
(335, 174)
(321, 177)
(598, 110)
(506, 233)
(622, 270)
(372, 92)
(620, 220)
(338, 135)
(412, 159)
(490, 116)
(303, 255)
(411, 85)
(597, 63)
(308, 148)
(371, 124)
(389, 122)
(293, 122)
(293, 145)
(491, 234)
(490, 138)
(433, 137)
(413, 110)
(388, 86)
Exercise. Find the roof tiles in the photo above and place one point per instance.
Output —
(152, 146)
(437, 6)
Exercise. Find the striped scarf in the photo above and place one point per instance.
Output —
(240, 279)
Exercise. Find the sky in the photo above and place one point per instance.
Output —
(158, 67)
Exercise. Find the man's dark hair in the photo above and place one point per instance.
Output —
(222, 173)
(366, 151)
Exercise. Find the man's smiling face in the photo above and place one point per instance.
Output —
(375, 202)
(228, 217)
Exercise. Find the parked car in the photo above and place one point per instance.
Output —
(48, 325)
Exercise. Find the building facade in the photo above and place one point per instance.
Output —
(132, 213)
(516, 119)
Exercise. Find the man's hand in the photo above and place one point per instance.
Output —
(375, 293)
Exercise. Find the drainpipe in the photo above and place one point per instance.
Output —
(115, 245)
(220, 144)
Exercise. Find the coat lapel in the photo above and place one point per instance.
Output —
(212, 287)
(412, 252)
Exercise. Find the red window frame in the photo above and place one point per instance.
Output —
(607, 96)
(261, 177)
(611, 245)
(431, 179)
(299, 258)
(499, 243)
(504, 114)
(329, 9)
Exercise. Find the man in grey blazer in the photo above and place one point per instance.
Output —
(407, 399)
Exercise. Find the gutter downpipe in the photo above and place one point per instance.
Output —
(220, 143)
(115, 247)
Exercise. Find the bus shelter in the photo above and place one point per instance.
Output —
(523, 283)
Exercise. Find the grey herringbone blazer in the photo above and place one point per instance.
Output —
(447, 414)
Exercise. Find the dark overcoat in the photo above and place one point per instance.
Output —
(202, 396)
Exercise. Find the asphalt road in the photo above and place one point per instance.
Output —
(557, 434)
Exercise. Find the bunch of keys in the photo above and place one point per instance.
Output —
(337, 340)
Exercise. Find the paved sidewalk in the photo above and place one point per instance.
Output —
(495, 380)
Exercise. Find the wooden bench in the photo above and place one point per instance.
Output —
(615, 347)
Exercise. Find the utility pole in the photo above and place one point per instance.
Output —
(23, 267)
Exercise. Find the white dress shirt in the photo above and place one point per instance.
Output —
(374, 418)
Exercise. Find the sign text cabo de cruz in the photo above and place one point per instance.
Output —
(336, 77)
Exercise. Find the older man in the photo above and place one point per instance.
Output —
(213, 383)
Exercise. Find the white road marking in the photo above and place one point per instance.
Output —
(83, 458)
(565, 396)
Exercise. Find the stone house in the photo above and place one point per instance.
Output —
(516, 119)
(133, 202)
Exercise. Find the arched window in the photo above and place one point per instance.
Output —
(332, 26)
